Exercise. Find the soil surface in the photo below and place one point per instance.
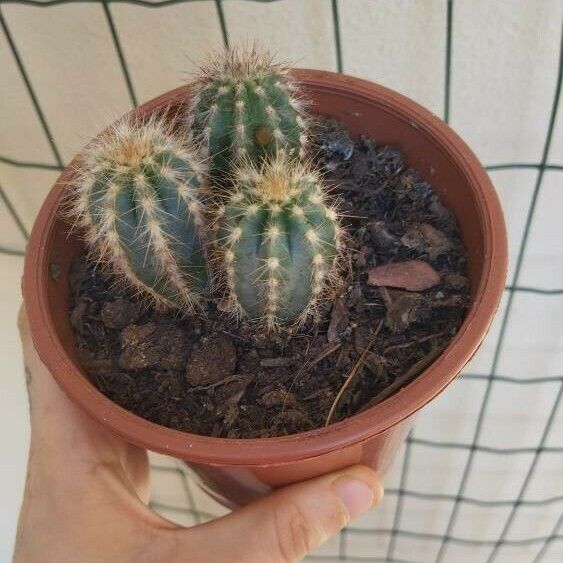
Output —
(403, 296)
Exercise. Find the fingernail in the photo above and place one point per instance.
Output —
(358, 497)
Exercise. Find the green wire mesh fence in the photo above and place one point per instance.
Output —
(400, 530)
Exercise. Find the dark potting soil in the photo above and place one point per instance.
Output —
(215, 376)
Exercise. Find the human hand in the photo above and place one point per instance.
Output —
(87, 491)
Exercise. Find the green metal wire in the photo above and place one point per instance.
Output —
(352, 559)
(14, 214)
(11, 251)
(515, 380)
(448, 71)
(486, 449)
(24, 164)
(532, 540)
(536, 290)
(222, 23)
(551, 538)
(143, 3)
(527, 166)
(401, 493)
(119, 52)
(337, 41)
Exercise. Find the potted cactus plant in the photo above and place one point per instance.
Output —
(254, 285)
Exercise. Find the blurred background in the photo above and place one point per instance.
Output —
(480, 478)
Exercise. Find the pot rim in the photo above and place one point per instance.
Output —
(350, 431)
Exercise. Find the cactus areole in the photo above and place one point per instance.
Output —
(137, 200)
(279, 240)
(244, 106)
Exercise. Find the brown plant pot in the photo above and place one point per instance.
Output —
(234, 471)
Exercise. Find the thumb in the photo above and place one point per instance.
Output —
(288, 524)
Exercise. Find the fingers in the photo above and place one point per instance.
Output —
(290, 523)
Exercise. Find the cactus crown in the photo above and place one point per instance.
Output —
(278, 240)
(137, 199)
(245, 106)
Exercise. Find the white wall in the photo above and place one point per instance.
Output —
(504, 70)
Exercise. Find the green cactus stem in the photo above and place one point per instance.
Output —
(278, 241)
(137, 200)
(244, 105)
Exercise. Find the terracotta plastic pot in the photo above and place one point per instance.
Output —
(235, 471)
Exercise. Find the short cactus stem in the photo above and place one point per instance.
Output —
(278, 240)
(137, 200)
(244, 106)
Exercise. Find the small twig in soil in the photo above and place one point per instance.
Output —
(307, 365)
(352, 373)
(276, 362)
(350, 187)
(348, 216)
(377, 359)
(414, 371)
(217, 383)
(340, 358)
(323, 354)
(236, 336)
(407, 344)
(385, 296)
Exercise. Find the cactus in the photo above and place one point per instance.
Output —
(278, 240)
(244, 106)
(137, 200)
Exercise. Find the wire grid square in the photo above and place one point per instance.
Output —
(451, 416)
(469, 488)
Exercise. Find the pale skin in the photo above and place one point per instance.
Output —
(87, 491)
